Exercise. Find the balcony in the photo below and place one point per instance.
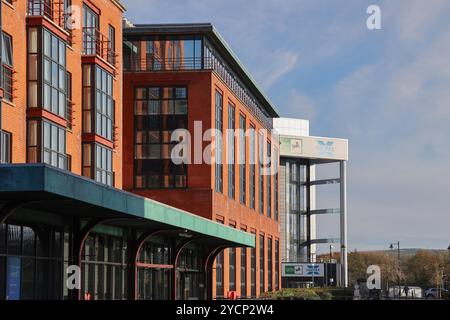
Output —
(155, 63)
(97, 44)
(52, 10)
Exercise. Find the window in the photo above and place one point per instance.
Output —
(31, 262)
(181, 53)
(5, 143)
(219, 275)
(261, 264)
(90, 31)
(277, 265)
(253, 271)
(54, 149)
(269, 181)
(111, 44)
(252, 166)
(97, 163)
(98, 103)
(54, 79)
(7, 66)
(158, 112)
(219, 142)
(243, 272)
(104, 265)
(242, 160)
(269, 264)
(231, 151)
(47, 143)
(232, 273)
(103, 165)
(47, 74)
(261, 172)
(275, 177)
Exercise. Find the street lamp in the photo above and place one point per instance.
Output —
(392, 246)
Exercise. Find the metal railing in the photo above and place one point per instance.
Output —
(96, 43)
(51, 9)
(155, 63)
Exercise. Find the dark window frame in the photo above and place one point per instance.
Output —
(42, 145)
(242, 159)
(6, 146)
(7, 67)
(219, 142)
(232, 151)
(172, 111)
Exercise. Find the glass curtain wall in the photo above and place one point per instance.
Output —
(296, 207)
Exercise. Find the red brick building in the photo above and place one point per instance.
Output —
(174, 77)
(56, 53)
(63, 213)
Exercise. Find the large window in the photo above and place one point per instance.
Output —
(253, 271)
(231, 151)
(154, 269)
(261, 172)
(31, 262)
(104, 266)
(252, 167)
(54, 80)
(98, 103)
(275, 183)
(90, 31)
(220, 292)
(269, 263)
(47, 74)
(242, 160)
(7, 66)
(158, 112)
(269, 181)
(161, 53)
(277, 265)
(5, 144)
(261, 264)
(97, 163)
(243, 272)
(219, 142)
(232, 271)
(47, 143)
(296, 207)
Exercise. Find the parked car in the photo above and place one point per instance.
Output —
(433, 293)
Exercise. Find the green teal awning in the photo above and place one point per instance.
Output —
(42, 182)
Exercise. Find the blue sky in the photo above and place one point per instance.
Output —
(387, 91)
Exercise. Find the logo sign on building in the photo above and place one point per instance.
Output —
(303, 270)
(314, 147)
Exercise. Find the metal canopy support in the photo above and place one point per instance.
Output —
(325, 211)
(325, 182)
(209, 263)
(343, 223)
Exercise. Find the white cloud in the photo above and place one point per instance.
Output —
(279, 64)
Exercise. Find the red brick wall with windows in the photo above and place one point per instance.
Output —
(14, 115)
(200, 197)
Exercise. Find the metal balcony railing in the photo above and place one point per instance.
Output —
(155, 63)
(51, 9)
(97, 44)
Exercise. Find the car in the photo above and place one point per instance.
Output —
(433, 293)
